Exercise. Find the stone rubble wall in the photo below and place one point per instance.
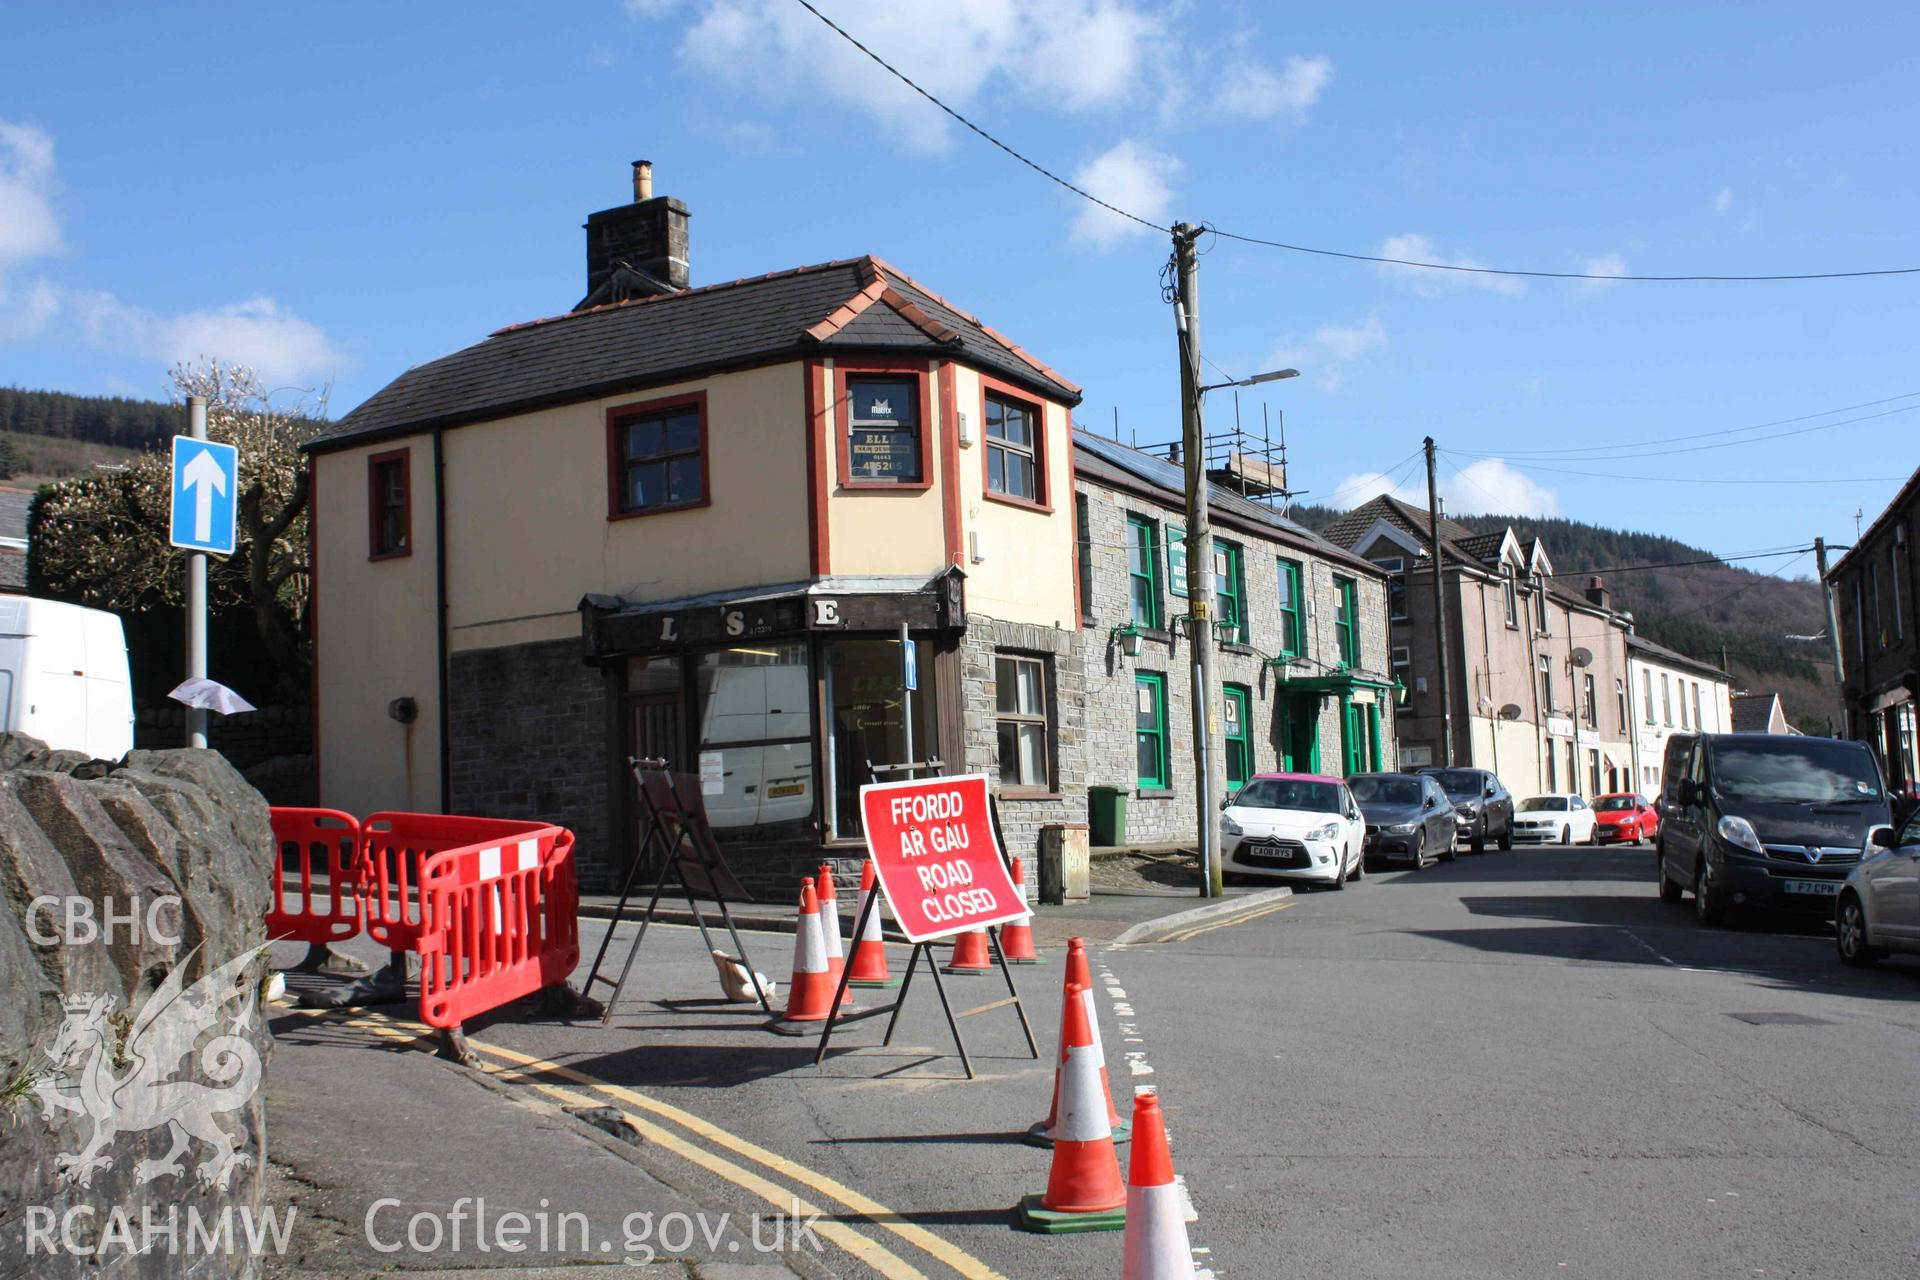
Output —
(177, 824)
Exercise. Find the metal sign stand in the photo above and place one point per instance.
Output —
(920, 949)
(717, 876)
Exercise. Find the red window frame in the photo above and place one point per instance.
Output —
(375, 461)
(617, 463)
(1042, 499)
(843, 421)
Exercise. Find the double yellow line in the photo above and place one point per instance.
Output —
(642, 1112)
(1186, 935)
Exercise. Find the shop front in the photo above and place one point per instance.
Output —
(781, 702)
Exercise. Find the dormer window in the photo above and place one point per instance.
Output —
(1512, 596)
(1544, 616)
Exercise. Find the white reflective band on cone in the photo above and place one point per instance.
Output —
(830, 928)
(1156, 1245)
(809, 952)
(1093, 1024)
(872, 932)
(1083, 1108)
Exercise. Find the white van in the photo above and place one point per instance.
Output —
(63, 676)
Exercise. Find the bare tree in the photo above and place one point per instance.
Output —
(102, 538)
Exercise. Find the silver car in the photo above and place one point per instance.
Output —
(1879, 907)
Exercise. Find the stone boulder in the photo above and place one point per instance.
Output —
(114, 876)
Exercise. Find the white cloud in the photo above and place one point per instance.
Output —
(1430, 283)
(1131, 175)
(1491, 487)
(29, 314)
(28, 227)
(1723, 201)
(275, 343)
(1060, 55)
(650, 8)
(1258, 92)
(1486, 487)
(279, 345)
(1607, 264)
(1323, 357)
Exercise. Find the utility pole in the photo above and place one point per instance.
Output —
(1186, 314)
(1439, 613)
(197, 596)
(1833, 629)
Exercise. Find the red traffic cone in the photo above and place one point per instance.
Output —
(830, 929)
(1079, 974)
(970, 954)
(1084, 1191)
(1016, 939)
(868, 964)
(1156, 1245)
(810, 993)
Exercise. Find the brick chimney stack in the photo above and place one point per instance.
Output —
(1597, 592)
(637, 250)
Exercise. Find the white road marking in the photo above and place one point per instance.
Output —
(1138, 1065)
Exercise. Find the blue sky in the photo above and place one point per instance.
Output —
(336, 193)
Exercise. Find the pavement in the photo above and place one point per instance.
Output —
(394, 1159)
(1514, 1065)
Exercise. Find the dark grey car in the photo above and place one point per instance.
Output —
(1483, 807)
(1408, 816)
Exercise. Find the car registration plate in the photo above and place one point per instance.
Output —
(1819, 888)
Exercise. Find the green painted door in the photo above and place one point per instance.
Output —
(1299, 733)
(1237, 713)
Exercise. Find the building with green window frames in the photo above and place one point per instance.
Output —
(1302, 664)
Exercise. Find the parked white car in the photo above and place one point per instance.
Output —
(1294, 826)
(1879, 907)
(1557, 818)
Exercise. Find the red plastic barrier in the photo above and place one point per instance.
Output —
(324, 845)
(503, 922)
(490, 905)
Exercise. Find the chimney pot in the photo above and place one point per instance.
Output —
(642, 180)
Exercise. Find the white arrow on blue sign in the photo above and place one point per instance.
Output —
(206, 489)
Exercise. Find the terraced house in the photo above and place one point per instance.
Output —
(691, 523)
(1537, 671)
(1303, 670)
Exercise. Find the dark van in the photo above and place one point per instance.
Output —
(1767, 820)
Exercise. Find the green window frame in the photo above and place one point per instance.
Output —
(1346, 622)
(1230, 588)
(1143, 572)
(1150, 731)
(1177, 560)
(1293, 613)
(1237, 706)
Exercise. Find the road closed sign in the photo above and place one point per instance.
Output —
(936, 858)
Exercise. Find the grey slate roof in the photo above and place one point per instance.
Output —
(1404, 516)
(1105, 461)
(13, 572)
(739, 324)
(1673, 657)
(1753, 712)
(14, 505)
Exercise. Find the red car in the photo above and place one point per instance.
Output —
(1623, 818)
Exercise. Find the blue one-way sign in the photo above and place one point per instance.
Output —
(206, 487)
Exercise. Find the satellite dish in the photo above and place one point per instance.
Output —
(1582, 657)
(1511, 711)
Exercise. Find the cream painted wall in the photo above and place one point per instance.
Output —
(375, 642)
(1027, 575)
(527, 526)
(878, 532)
